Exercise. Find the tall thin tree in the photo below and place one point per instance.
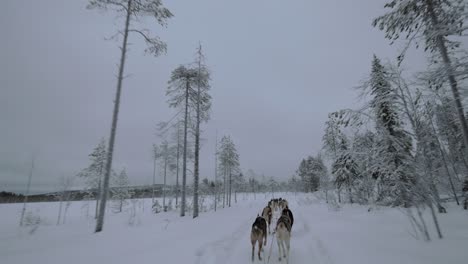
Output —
(26, 196)
(203, 105)
(155, 155)
(133, 9)
(180, 88)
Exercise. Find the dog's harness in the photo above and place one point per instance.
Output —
(271, 246)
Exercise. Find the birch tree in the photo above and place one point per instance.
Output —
(133, 10)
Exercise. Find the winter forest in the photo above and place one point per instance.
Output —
(234, 132)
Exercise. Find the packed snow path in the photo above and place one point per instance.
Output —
(321, 235)
(236, 247)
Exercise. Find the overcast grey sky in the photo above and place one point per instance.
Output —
(278, 68)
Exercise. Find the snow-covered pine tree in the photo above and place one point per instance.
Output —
(332, 138)
(228, 165)
(318, 170)
(304, 174)
(429, 156)
(93, 174)
(121, 191)
(435, 21)
(310, 170)
(346, 169)
(449, 129)
(239, 184)
(133, 10)
(253, 183)
(182, 94)
(364, 150)
(166, 157)
(394, 154)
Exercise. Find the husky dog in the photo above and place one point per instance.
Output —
(283, 204)
(283, 235)
(289, 214)
(258, 234)
(267, 213)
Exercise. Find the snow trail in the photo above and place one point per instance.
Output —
(306, 247)
(320, 235)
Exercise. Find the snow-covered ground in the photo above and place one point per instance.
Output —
(320, 235)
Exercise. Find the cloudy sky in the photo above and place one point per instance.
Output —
(278, 68)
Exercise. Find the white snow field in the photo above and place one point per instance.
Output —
(320, 235)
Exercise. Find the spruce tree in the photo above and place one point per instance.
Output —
(394, 152)
(434, 21)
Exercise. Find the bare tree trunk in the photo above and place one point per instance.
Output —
(197, 143)
(110, 151)
(27, 192)
(434, 218)
(164, 186)
(224, 188)
(154, 181)
(423, 223)
(442, 153)
(66, 210)
(216, 171)
(339, 195)
(230, 186)
(98, 197)
(184, 159)
(177, 168)
(436, 195)
(440, 42)
(60, 207)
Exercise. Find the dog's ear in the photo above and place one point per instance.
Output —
(258, 215)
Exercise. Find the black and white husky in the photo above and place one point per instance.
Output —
(258, 234)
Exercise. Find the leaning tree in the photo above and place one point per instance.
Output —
(133, 10)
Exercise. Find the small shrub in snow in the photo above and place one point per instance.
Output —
(156, 207)
(32, 220)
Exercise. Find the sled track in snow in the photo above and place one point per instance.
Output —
(220, 251)
(306, 247)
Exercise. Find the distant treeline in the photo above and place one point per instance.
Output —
(79, 195)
